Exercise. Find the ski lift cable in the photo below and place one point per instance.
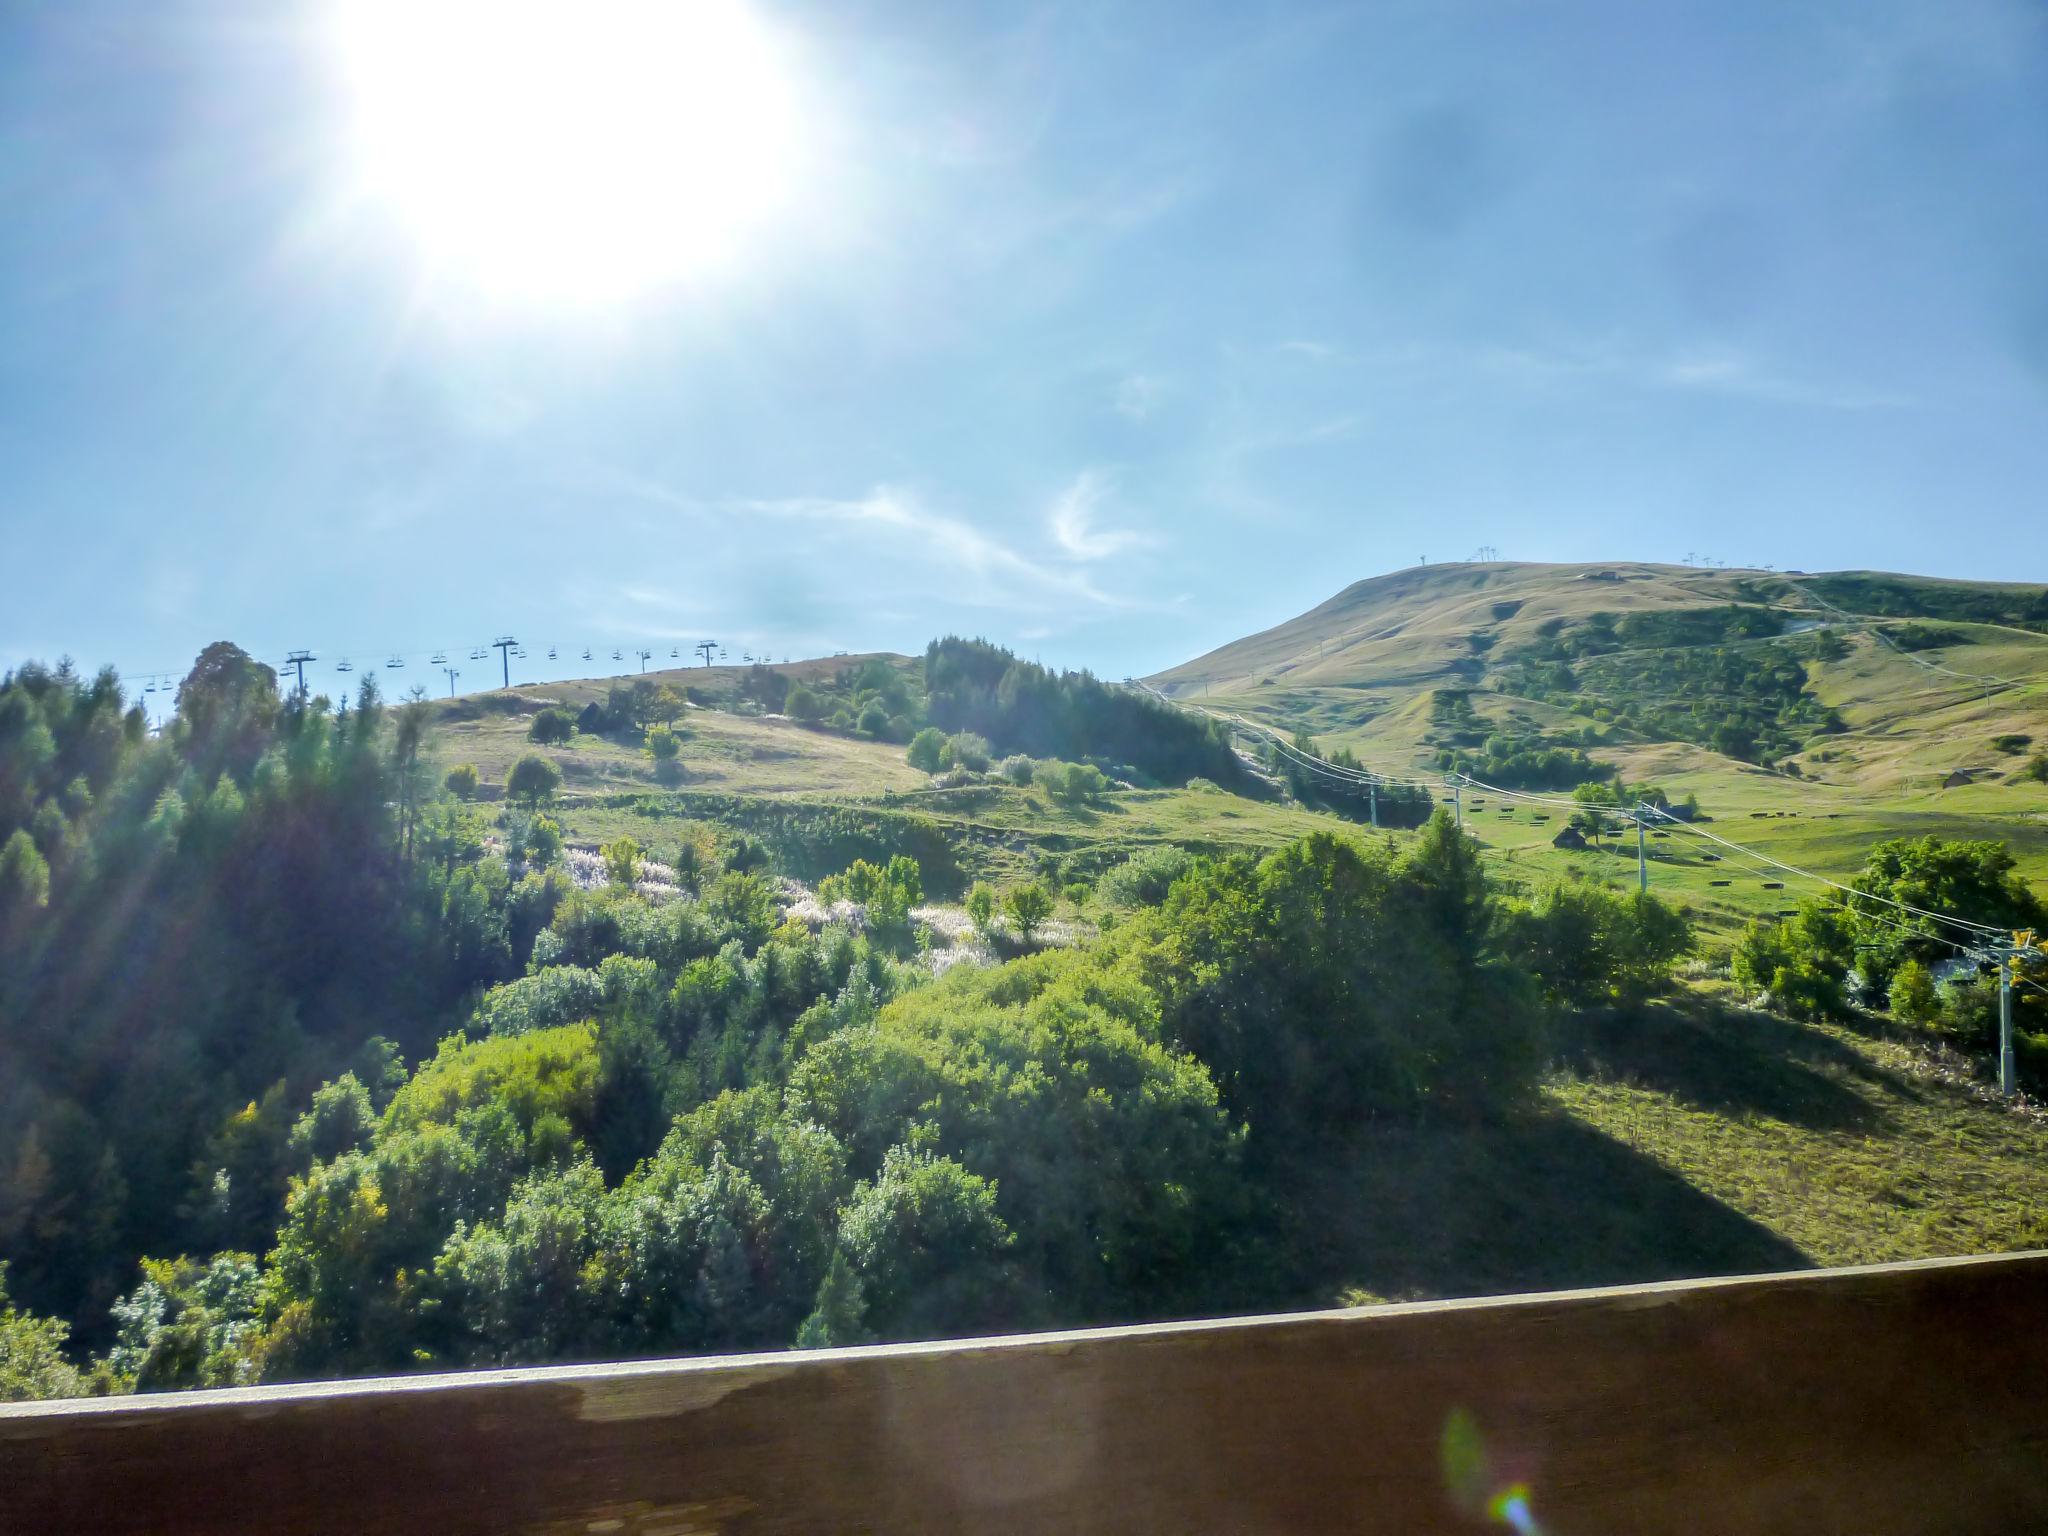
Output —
(1965, 924)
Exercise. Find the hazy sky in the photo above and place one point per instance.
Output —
(1108, 331)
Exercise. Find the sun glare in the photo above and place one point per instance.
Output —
(573, 152)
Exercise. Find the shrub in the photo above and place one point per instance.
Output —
(1913, 996)
(462, 781)
(802, 704)
(966, 750)
(1017, 768)
(663, 745)
(1144, 878)
(1074, 783)
(874, 721)
(622, 861)
(927, 750)
(552, 727)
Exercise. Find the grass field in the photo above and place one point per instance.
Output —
(1689, 1137)
(1003, 832)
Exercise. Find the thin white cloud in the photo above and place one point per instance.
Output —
(1301, 347)
(1073, 521)
(1003, 577)
(1718, 370)
(1733, 373)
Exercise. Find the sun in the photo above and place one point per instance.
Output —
(570, 152)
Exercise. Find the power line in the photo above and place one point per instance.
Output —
(1807, 874)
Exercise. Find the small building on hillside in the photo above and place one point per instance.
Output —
(1570, 838)
(1958, 778)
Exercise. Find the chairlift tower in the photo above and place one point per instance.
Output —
(453, 673)
(299, 659)
(706, 649)
(644, 654)
(504, 645)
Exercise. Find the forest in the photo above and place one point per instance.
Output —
(314, 1067)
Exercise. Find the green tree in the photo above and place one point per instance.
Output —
(981, 908)
(24, 879)
(1801, 963)
(1027, 907)
(665, 747)
(838, 1318)
(804, 705)
(1913, 995)
(1975, 881)
(929, 1249)
(533, 780)
(462, 781)
(32, 1362)
(622, 861)
(552, 727)
(926, 749)
(964, 749)
(1586, 943)
(543, 842)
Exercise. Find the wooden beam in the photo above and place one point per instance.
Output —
(1890, 1399)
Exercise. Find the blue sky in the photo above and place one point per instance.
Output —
(1109, 331)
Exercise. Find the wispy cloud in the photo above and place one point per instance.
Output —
(1734, 373)
(1707, 370)
(1002, 575)
(1301, 347)
(1073, 521)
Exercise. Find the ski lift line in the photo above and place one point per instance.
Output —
(1346, 775)
(1807, 874)
(1886, 640)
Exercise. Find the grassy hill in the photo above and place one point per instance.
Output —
(763, 771)
(1874, 689)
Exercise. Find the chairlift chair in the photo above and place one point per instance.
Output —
(617, 654)
(586, 653)
(344, 665)
(396, 663)
(551, 653)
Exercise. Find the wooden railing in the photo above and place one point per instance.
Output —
(1897, 1398)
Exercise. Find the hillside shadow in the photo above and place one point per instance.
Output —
(1729, 1060)
(1540, 1202)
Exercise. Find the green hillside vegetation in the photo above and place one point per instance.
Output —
(351, 1038)
(1804, 726)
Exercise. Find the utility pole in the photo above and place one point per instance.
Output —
(299, 659)
(503, 645)
(452, 675)
(1458, 794)
(2008, 969)
(1642, 857)
(1373, 791)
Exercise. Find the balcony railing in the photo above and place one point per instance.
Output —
(1891, 1399)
